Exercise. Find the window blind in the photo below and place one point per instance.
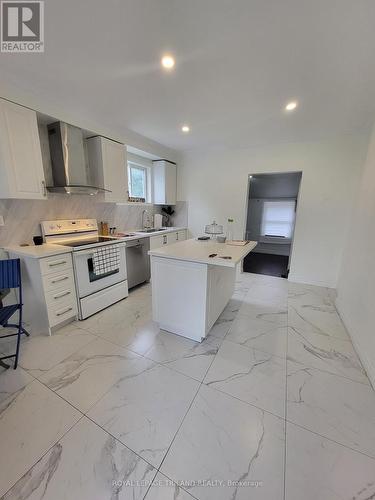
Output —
(278, 218)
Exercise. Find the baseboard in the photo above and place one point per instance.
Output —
(361, 351)
(306, 281)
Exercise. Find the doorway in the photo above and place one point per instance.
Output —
(271, 214)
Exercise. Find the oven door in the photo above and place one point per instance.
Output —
(87, 282)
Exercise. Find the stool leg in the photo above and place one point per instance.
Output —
(18, 339)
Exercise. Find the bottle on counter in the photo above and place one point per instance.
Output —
(104, 228)
(230, 229)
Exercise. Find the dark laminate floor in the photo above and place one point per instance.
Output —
(264, 263)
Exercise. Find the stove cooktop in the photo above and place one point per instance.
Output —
(91, 241)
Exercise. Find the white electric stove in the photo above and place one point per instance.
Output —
(99, 262)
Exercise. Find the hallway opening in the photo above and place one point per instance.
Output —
(271, 216)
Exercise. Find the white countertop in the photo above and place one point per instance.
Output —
(50, 249)
(199, 251)
(138, 234)
(38, 251)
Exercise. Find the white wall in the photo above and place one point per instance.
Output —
(356, 284)
(215, 186)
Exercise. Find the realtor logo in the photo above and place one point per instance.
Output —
(22, 26)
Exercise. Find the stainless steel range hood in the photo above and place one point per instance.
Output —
(70, 170)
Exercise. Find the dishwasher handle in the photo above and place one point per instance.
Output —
(136, 243)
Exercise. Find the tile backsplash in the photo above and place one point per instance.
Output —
(22, 217)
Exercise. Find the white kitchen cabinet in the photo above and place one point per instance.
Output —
(49, 292)
(176, 236)
(167, 239)
(164, 182)
(181, 235)
(21, 166)
(158, 241)
(108, 164)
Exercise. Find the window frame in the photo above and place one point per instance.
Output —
(291, 223)
(147, 177)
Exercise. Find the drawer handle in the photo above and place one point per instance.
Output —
(60, 279)
(64, 311)
(60, 295)
(59, 263)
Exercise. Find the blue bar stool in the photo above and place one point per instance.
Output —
(10, 277)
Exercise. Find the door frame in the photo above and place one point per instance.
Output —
(297, 205)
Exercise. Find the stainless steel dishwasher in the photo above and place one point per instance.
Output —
(137, 261)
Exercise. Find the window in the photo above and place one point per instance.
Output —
(278, 218)
(138, 181)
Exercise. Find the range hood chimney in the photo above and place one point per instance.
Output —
(70, 171)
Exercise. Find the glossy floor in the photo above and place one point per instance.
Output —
(273, 405)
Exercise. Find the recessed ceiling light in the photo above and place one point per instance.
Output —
(291, 105)
(185, 128)
(167, 61)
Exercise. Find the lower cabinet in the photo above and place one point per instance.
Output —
(158, 241)
(49, 293)
(167, 239)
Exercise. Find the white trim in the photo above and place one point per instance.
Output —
(368, 364)
(141, 165)
(306, 281)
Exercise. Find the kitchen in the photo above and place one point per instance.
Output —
(140, 358)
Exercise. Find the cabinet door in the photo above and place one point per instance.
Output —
(181, 235)
(164, 182)
(172, 237)
(158, 241)
(22, 174)
(115, 171)
(170, 183)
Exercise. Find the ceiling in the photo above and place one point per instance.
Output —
(238, 62)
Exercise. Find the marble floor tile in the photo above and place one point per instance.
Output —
(325, 353)
(145, 411)
(249, 306)
(332, 406)
(262, 328)
(319, 320)
(86, 464)
(318, 469)
(165, 489)
(302, 294)
(226, 318)
(220, 328)
(135, 331)
(142, 385)
(267, 294)
(40, 353)
(30, 424)
(12, 382)
(83, 378)
(184, 355)
(225, 440)
(250, 375)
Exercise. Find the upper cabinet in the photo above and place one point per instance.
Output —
(21, 167)
(108, 166)
(164, 182)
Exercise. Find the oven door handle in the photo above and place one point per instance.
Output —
(91, 250)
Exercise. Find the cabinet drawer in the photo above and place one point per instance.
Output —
(55, 281)
(59, 298)
(56, 263)
(62, 313)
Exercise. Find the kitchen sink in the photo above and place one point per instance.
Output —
(150, 230)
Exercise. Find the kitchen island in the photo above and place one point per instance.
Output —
(191, 289)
